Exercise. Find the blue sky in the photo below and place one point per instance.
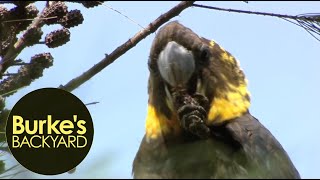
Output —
(280, 60)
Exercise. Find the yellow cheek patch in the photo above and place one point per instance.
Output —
(232, 101)
(158, 125)
(229, 104)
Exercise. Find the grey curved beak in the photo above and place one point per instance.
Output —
(176, 64)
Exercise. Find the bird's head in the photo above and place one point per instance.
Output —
(182, 60)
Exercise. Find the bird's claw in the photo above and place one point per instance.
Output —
(192, 112)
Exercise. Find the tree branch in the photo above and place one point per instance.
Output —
(310, 22)
(152, 27)
(243, 11)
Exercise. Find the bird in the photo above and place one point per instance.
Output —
(198, 123)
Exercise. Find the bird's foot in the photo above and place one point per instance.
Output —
(192, 112)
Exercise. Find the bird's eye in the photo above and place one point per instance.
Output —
(204, 53)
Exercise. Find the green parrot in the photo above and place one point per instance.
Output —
(198, 123)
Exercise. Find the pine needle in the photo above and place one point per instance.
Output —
(310, 21)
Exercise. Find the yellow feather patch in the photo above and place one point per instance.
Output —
(229, 104)
(212, 43)
(157, 124)
(225, 56)
(232, 101)
(228, 58)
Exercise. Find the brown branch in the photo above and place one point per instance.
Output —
(92, 103)
(310, 22)
(243, 11)
(152, 27)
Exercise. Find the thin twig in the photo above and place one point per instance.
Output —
(305, 28)
(12, 168)
(308, 30)
(152, 27)
(12, 175)
(246, 12)
(20, 20)
(306, 21)
(291, 21)
(92, 103)
(9, 74)
(123, 15)
(19, 64)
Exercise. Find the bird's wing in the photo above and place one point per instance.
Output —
(263, 152)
